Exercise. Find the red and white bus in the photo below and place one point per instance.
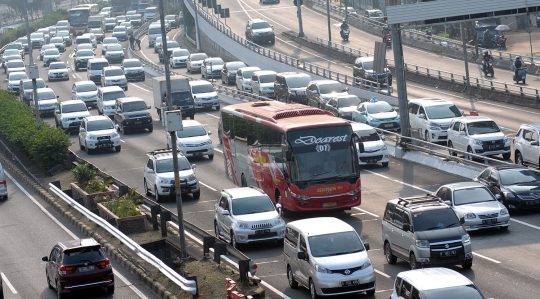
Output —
(302, 157)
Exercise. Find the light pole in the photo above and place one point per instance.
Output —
(529, 28)
(32, 69)
(328, 15)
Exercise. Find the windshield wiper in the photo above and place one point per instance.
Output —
(316, 175)
(451, 224)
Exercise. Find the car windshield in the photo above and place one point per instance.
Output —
(482, 127)
(234, 66)
(62, 23)
(16, 63)
(331, 88)
(125, 24)
(98, 125)
(166, 165)
(298, 81)
(214, 61)
(15, 46)
(118, 8)
(150, 10)
(135, 106)
(114, 47)
(52, 52)
(251, 205)
(191, 131)
(153, 31)
(196, 89)
(83, 255)
(442, 111)
(170, 17)
(472, 195)
(113, 95)
(96, 31)
(13, 77)
(23, 40)
(114, 72)
(260, 25)
(39, 84)
(180, 53)
(368, 65)
(172, 44)
(133, 63)
(200, 56)
(182, 98)
(335, 244)
(57, 66)
(376, 14)
(110, 21)
(85, 54)
(468, 291)
(86, 87)
(62, 33)
(379, 107)
(516, 177)
(434, 219)
(79, 107)
(143, 5)
(267, 78)
(46, 47)
(46, 95)
(36, 35)
(348, 102)
(119, 29)
(98, 66)
(368, 135)
(86, 46)
(56, 40)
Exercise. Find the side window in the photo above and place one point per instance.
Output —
(422, 111)
(534, 136)
(83, 124)
(303, 247)
(239, 73)
(527, 135)
(493, 178)
(389, 212)
(150, 164)
(397, 285)
(398, 218)
(225, 120)
(462, 128)
(519, 132)
(441, 193)
(455, 127)
(362, 108)
(332, 102)
(413, 108)
(52, 256)
(415, 294)
(485, 174)
(291, 237)
(406, 290)
(254, 78)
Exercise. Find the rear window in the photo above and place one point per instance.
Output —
(83, 41)
(150, 10)
(80, 255)
(132, 64)
(98, 65)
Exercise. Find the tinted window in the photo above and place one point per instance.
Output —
(166, 165)
(155, 30)
(260, 25)
(513, 177)
(298, 81)
(335, 244)
(214, 61)
(98, 66)
(85, 54)
(347, 102)
(482, 127)
(200, 56)
(83, 255)
(379, 107)
(48, 95)
(191, 132)
(368, 135)
(472, 195)
(81, 107)
(252, 205)
(267, 78)
(114, 47)
(179, 53)
(202, 88)
(52, 52)
(389, 213)
(173, 44)
(291, 237)
(97, 125)
(443, 111)
(15, 64)
(233, 66)
(330, 88)
(13, 77)
(434, 219)
(134, 106)
(114, 72)
(132, 64)
(57, 66)
(39, 84)
(86, 87)
(469, 292)
(247, 74)
(113, 95)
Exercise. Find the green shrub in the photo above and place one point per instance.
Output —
(444, 34)
(83, 174)
(46, 21)
(47, 146)
(125, 206)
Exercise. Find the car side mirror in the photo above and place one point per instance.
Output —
(117, 127)
(406, 227)
(278, 206)
(535, 142)
(150, 171)
(462, 220)
(225, 213)
(366, 245)
(422, 115)
(148, 107)
(45, 259)
(57, 111)
(57, 97)
(82, 130)
(6, 80)
(360, 147)
(383, 138)
(462, 112)
(502, 129)
(497, 196)
(301, 255)
(448, 202)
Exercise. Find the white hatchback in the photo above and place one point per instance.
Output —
(373, 149)
(193, 140)
(3, 186)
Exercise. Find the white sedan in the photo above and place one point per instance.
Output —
(193, 141)
(58, 71)
(51, 55)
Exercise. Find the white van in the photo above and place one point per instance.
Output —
(3, 184)
(153, 31)
(150, 13)
(94, 67)
(106, 99)
(326, 255)
(243, 77)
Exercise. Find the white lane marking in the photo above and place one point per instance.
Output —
(211, 115)
(135, 85)
(6, 282)
(382, 291)
(268, 8)
(73, 75)
(525, 223)
(485, 257)
(269, 262)
(123, 141)
(218, 150)
(143, 52)
(364, 211)
(131, 286)
(509, 108)
(213, 189)
(398, 181)
(382, 273)
(176, 34)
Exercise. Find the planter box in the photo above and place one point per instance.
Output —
(88, 199)
(131, 224)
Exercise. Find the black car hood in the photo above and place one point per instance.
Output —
(526, 188)
(442, 235)
(133, 114)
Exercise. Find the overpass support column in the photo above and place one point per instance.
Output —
(400, 79)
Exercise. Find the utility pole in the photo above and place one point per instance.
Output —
(465, 55)
(32, 69)
(197, 36)
(298, 4)
(329, 30)
(400, 80)
(178, 190)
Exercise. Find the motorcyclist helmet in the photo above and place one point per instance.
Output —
(518, 58)
(486, 53)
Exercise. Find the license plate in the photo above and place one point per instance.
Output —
(489, 221)
(349, 283)
(388, 125)
(329, 204)
(197, 154)
(58, 75)
(76, 123)
(372, 160)
(207, 105)
(493, 146)
(262, 231)
(102, 145)
(448, 253)
(138, 122)
(86, 269)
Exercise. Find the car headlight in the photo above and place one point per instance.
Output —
(504, 211)
(366, 265)
(164, 181)
(278, 221)
(434, 126)
(192, 178)
(470, 216)
(215, 97)
(383, 148)
(371, 118)
(300, 196)
(476, 141)
(505, 140)
(322, 269)
(466, 238)
(422, 243)
(208, 142)
(509, 195)
(90, 137)
(180, 144)
(243, 225)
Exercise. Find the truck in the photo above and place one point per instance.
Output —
(182, 98)
(96, 22)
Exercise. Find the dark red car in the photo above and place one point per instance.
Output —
(99, 34)
(76, 265)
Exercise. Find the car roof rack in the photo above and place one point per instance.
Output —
(160, 151)
(428, 198)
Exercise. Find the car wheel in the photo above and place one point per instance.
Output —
(469, 157)
(125, 89)
(466, 265)
(292, 282)
(506, 156)
(118, 148)
(426, 136)
(192, 116)
(110, 290)
(390, 257)
(146, 191)
(151, 129)
(156, 195)
(280, 242)
(123, 130)
(505, 227)
(48, 280)
(312, 291)
(370, 292)
(76, 68)
(197, 195)
(412, 261)
(88, 150)
(217, 108)
(210, 157)
(233, 240)
(81, 146)
(385, 164)
(216, 229)
(450, 152)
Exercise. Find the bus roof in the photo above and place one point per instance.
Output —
(286, 116)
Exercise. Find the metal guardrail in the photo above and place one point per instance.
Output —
(291, 61)
(187, 285)
(441, 75)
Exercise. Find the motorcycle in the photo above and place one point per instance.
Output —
(488, 68)
(387, 39)
(345, 34)
(522, 74)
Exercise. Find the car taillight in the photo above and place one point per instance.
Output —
(2, 182)
(513, 140)
(105, 264)
(63, 270)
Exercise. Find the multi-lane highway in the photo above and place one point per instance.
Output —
(501, 269)
(29, 228)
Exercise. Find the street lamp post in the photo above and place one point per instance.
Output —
(328, 16)
(529, 28)
(32, 74)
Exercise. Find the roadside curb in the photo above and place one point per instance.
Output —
(111, 251)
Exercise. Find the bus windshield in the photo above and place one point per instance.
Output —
(321, 153)
(79, 17)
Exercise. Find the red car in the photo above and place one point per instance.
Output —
(76, 265)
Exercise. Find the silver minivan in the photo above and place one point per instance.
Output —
(3, 184)
(106, 99)
(327, 256)
(94, 67)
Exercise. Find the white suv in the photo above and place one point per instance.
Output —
(69, 114)
(3, 188)
(478, 135)
(526, 147)
(159, 175)
(247, 215)
(431, 117)
(193, 140)
(434, 283)
(98, 132)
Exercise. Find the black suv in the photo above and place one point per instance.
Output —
(291, 87)
(228, 71)
(132, 113)
(258, 30)
(363, 68)
(76, 265)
